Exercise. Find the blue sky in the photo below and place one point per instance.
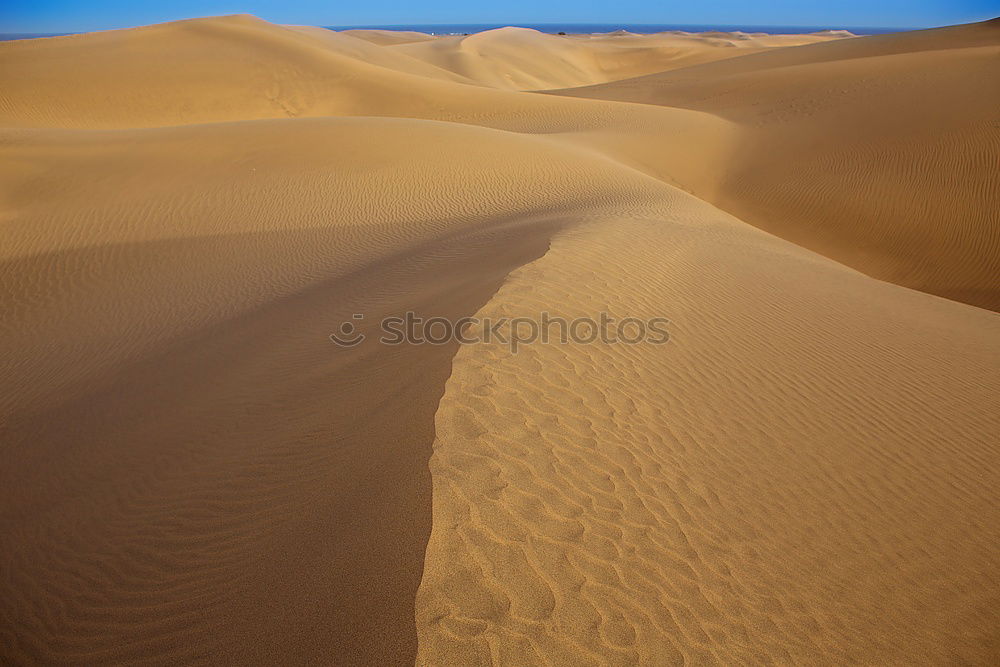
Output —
(77, 15)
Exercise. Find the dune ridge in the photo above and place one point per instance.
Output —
(200, 510)
(193, 471)
(659, 520)
(903, 187)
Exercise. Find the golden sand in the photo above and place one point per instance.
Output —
(193, 472)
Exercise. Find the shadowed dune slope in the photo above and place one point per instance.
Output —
(193, 472)
(879, 152)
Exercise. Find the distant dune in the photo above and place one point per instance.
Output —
(194, 473)
(524, 59)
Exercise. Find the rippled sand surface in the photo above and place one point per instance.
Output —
(192, 472)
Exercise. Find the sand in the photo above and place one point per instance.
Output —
(525, 59)
(193, 472)
(880, 153)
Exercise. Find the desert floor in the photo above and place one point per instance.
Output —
(192, 471)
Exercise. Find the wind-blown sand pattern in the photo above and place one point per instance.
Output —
(193, 472)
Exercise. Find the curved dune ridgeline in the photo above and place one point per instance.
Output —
(879, 152)
(194, 472)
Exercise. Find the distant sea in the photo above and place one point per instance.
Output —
(554, 28)
(9, 36)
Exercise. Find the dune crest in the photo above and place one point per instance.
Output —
(194, 472)
(774, 484)
(879, 152)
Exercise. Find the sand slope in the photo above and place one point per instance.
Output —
(787, 481)
(194, 473)
(879, 152)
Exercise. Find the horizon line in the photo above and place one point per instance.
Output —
(513, 24)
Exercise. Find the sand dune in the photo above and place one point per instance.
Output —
(362, 49)
(239, 68)
(249, 69)
(879, 152)
(779, 483)
(524, 59)
(194, 473)
(173, 329)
